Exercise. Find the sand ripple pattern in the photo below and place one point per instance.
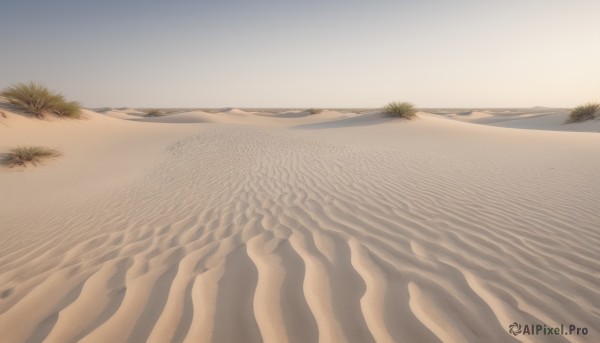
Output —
(249, 235)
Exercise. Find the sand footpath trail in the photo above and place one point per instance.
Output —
(357, 229)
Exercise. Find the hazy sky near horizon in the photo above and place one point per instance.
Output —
(267, 53)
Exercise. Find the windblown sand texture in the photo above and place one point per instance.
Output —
(335, 227)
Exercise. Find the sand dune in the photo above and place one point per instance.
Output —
(554, 121)
(185, 117)
(469, 115)
(544, 119)
(324, 114)
(300, 229)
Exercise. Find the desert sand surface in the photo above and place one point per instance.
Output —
(286, 226)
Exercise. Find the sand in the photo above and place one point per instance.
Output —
(247, 227)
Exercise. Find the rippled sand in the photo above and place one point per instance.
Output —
(240, 227)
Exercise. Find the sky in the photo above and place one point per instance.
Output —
(325, 53)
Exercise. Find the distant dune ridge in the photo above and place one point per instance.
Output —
(249, 226)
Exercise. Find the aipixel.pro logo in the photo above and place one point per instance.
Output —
(516, 329)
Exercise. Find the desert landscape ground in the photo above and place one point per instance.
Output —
(249, 225)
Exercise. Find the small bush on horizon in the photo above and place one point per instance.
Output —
(38, 100)
(20, 155)
(404, 110)
(584, 112)
(153, 113)
(314, 110)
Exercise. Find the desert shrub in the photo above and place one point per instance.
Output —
(314, 110)
(38, 100)
(401, 110)
(23, 154)
(584, 112)
(153, 113)
(68, 109)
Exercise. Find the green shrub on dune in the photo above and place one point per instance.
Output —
(38, 100)
(404, 110)
(584, 112)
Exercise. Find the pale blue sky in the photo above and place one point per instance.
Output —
(462, 53)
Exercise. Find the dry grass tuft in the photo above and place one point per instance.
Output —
(404, 110)
(22, 155)
(584, 112)
(38, 100)
(154, 113)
